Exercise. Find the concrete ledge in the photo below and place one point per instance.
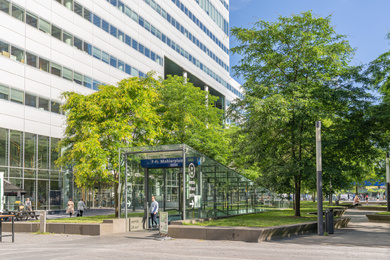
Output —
(247, 234)
(90, 229)
(378, 218)
(372, 208)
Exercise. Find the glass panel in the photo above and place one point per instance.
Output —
(78, 43)
(43, 152)
(87, 82)
(44, 26)
(96, 85)
(67, 74)
(121, 65)
(56, 32)
(18, 12)
(113, 61)
(30, 187)
(3, 147)
(78, 9)
(43, 194)
(4, 6)
(105, 26)
(67, 38)
(44, 104)
(4, 49)
(68, 4)
(55, 69)
(4, 93)
(54, 153)
(55, 107)
(30, 151)
(87, 15)
(78, 78)
(97, 21)
(55, 193)
(30, 173)
(17, 96)
(128, 69)
(17, 54)
(16, 148)
(32, 19)
(30, 100)
(88, 48)
(105, 57)
(44, 64)
(96, 53)
(31, 59)
(121, 36)
(43, 174)
(113, 31)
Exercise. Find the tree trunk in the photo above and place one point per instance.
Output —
(314, 197)
(297, 196)
(357, 189)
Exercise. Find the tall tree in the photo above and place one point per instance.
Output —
(104, 121)
(290, 68)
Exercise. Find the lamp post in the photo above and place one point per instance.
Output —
(320, 224)
(387, 182)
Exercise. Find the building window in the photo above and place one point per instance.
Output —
(87, 82)
(97, 21)
(67, 74)
(78, 43)
(30, 100)
(44, 26)
(44, 104)
(4, 140)
(105, 57)
(31, 59)
(17, 96)
(44, 64)
(97, 53)
(87, 15)
(96, 85)
(4, 49)
(67, 38)
(43, 152)
(18, 12)
(78, 9)
(16, 151)
(88, 48)
(30, 154)
(4, 93)
(32, 20)
(55, 69)
(68, 4)
(17, 54)
(4, 6)
(78, 78)
(113, 61)
(56, 32)
(55, 107)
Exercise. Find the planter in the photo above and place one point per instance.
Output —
(378, 218)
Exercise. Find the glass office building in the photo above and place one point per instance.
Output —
(48, 47)
(188, 184)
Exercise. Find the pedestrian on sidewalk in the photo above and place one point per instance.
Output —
(366, 200)
(70, 208)
(80, 207)
(153, 211)
(356, 201)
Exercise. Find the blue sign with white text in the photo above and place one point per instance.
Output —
(168, 162)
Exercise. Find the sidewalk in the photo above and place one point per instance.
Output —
(359, 232)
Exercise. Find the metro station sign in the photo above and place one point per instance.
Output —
(169, 162)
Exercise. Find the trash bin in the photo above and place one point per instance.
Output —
(329, 226)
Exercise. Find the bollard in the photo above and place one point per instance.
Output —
(42, 222)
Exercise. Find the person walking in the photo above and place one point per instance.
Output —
(80, 207)
(70, 208)
(366, 200)
(28, 204)
(154, 211)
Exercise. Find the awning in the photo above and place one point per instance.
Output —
(12, 190)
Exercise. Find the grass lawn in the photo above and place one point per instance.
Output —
(383, 213)
(91, 219)
(268, 218)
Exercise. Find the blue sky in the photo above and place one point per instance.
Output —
(364, 22)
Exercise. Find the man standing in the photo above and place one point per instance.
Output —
(80, 207)
(28, 204)
(153, 211)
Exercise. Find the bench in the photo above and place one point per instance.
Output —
(25, 215)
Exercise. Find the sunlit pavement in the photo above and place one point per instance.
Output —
(361, 240)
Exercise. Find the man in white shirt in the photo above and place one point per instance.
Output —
(154, 211)
(80, 207)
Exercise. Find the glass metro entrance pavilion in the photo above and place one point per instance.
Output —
(186, 183)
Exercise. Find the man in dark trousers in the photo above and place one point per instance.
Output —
(154, 211)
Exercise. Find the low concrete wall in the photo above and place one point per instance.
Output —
(372, 208)
(378, 218)
(135, 224)
(247, 234)
(90, 229)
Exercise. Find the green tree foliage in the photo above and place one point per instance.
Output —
(296, 72)
(188, 115)
(100, 123)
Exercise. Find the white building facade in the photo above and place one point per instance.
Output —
(51, 46)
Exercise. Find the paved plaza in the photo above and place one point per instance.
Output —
(361, 240)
